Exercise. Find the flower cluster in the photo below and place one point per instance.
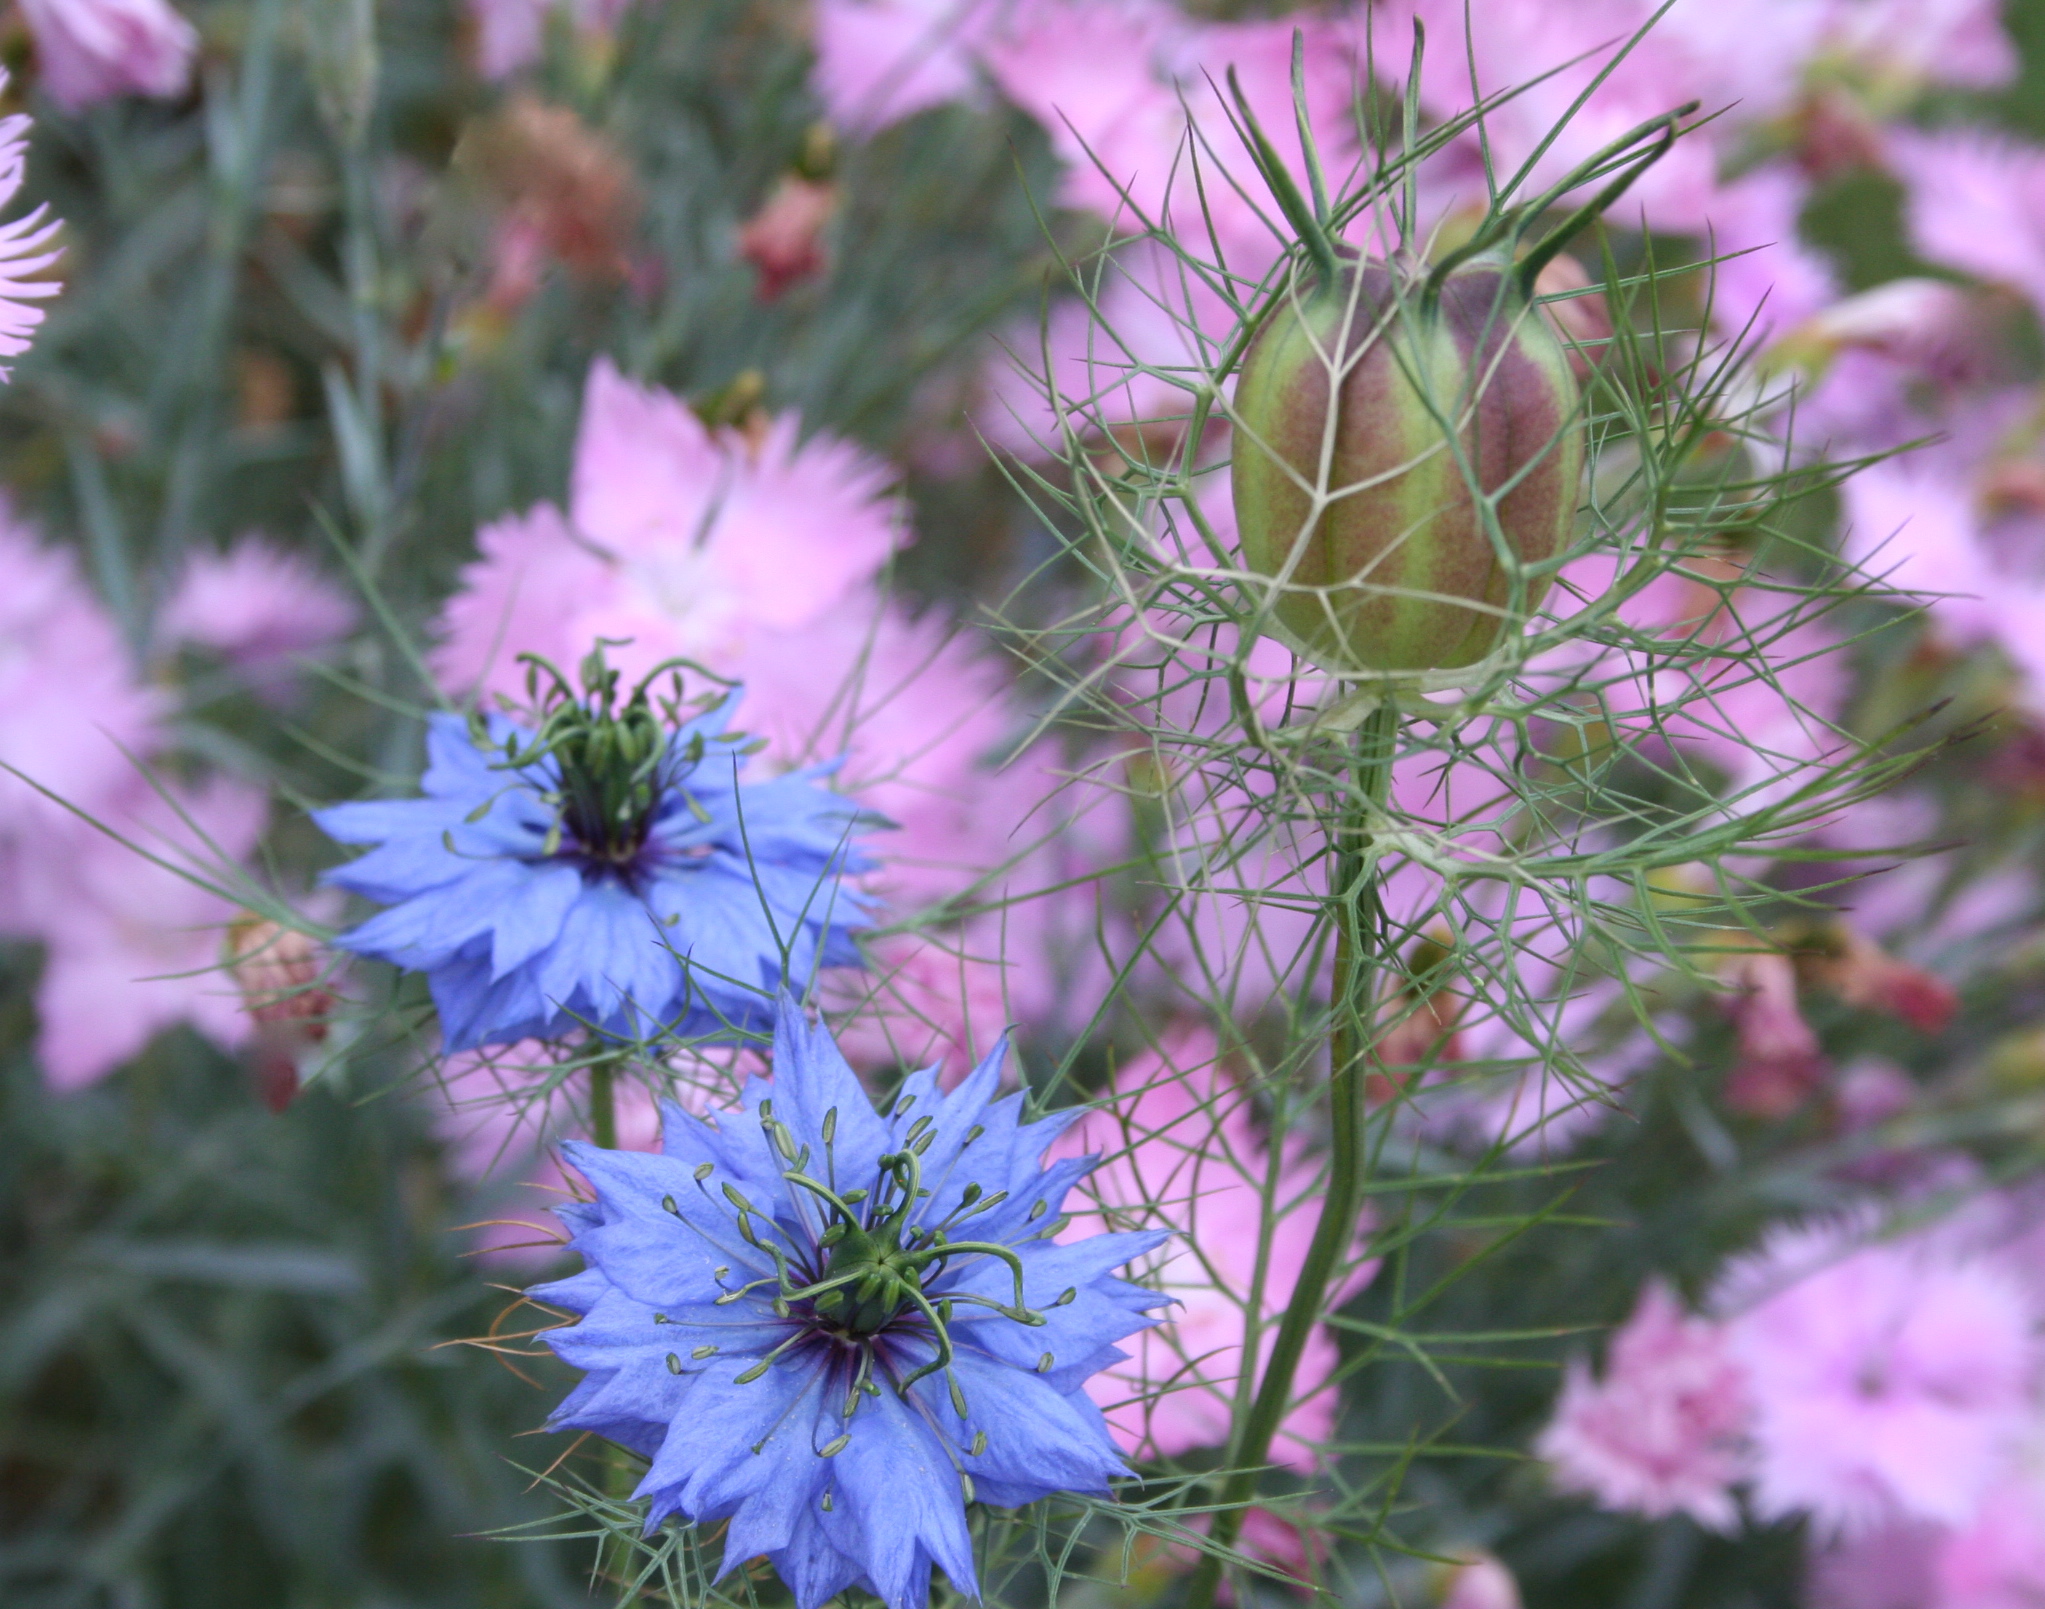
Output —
(760, 553)
(1888, 1390)
(129, 943)
(835, 1329)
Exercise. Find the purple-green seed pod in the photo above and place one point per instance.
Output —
(1372, 522)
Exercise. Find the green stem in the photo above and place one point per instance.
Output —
(615, 1553)
(603, 1103)
(1349, 1042)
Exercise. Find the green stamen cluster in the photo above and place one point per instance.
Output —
(615, 758)
(868, 1268)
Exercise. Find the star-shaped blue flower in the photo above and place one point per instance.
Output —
(669, 910)
(835, 1329)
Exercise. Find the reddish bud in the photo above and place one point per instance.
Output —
(281, 975)
(1865, 975)
(1780, 1065)
(279, 972)
(784, 240)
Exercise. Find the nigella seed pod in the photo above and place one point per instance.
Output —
(1404, 448)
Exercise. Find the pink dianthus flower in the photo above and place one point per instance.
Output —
(1663, 1430)
(1889, 1380)
(25, 247)
(879, 61)
(1974, 202)
(92, 50)
(71, 712)
(131, 944)
(760, 557)
(257, 607)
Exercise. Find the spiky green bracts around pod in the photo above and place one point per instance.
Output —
(1409, 439)
(1404, 451)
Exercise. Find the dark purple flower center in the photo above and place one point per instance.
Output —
(861, 1272)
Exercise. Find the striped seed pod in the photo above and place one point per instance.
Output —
(1403, 448)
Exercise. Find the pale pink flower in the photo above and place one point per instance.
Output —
(1764, 718)
(1093, 75)
(1181, 1151)
(1994, 1561)
(133, 945)
(1912, 318)
(879, 61)
(71, 713)
(761, 558)
(1889, 1567)
(943, 997)
(1997, 1560)
(1910, 520)
(1904, 44)
(1768, 280)
(92, 50)
(1976, 201)
(1663, 1430)
(1479, 1581)
(1532, 1105)
(1889, 1380)
(1956, 525)
(1878, 358)
(1746, 58)
(1123, 89)
(259, 608)
(687, 540)
(1158, 332)
(25, 246)
(130, 945)
(1517, 41)
(512, 34)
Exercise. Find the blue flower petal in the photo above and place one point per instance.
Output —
(531, 919)
(897, 1492)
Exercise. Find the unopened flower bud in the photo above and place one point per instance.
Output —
(1781, 1064)
(784, 240)
(1841, 958)
(1398, 525)
(278, 972)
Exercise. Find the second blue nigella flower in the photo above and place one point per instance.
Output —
(835, 1328)
(606, 870)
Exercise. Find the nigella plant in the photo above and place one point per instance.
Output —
(835, 1328)
(1457, 615)
(606, 870)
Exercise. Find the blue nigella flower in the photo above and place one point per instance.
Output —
(835, 1329)
(607, 870)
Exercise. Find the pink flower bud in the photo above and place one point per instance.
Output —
(784, 239)
(279, 973)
